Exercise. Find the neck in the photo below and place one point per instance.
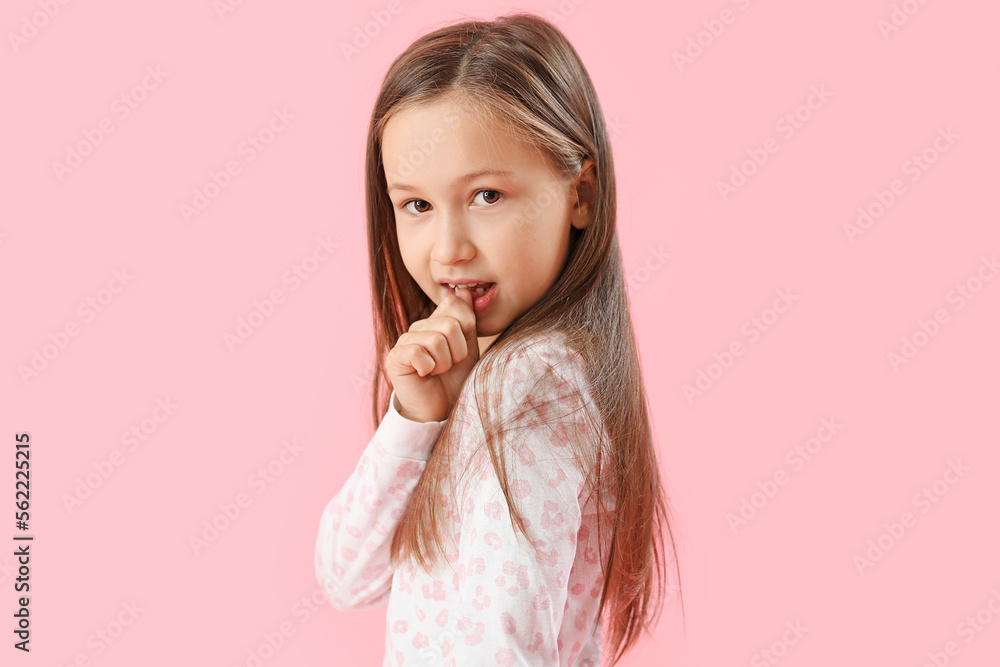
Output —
(485, 342)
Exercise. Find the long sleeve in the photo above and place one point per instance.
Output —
(512, 598)
(357, 525)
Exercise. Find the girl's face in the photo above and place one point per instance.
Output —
(472, 203)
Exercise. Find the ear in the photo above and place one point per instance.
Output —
(583, 193)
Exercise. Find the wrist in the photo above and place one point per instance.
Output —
(406, 414)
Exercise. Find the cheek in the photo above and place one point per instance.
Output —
(542, 237)
(540, 221)
(409, 246)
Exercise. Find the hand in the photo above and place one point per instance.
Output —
(429, 363)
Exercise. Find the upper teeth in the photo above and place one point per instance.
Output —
(470, 286)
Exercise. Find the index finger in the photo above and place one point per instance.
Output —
(459, 305)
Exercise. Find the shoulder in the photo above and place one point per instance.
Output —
(542, 384)
(542, 368)
(538, 398)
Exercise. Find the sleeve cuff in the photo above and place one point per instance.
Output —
(404, 437)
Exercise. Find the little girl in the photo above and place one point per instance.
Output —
(510, 494)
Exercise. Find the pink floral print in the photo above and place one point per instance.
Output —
(497, 601)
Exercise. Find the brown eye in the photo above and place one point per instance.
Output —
(414, 201)
(490, 200)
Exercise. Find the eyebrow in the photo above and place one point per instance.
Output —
(458, 181)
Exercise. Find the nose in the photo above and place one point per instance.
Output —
(452, 243)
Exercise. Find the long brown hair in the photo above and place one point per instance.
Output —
(521, 70)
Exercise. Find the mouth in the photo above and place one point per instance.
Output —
(477, 289)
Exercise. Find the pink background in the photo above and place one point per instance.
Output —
(301, 377)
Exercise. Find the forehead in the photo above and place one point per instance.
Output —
(438, 142)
